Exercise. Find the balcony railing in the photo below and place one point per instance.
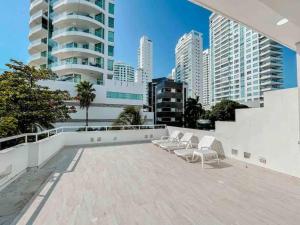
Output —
(34, 137)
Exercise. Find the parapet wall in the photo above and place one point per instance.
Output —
(266, 137)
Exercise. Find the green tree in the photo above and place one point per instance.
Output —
(225, 110)
(26, 104)
(8, 126)
(130, 116)
(85, 95)
(192, 112)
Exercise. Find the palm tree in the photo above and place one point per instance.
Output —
(192, 112)
(130, 116)
(85, 95)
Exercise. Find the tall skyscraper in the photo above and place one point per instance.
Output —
(244, 64)
(189, 63)
(206, 78)
(73, 38)
(123, 72)
(145, 64)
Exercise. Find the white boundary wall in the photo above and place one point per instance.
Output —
(270, 133)
(14, 161)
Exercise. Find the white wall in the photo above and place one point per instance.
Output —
(110, 85)
(18, 159)
(15, 161)
(104, 137)
(271, 132)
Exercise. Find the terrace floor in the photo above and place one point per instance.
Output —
(142, 184)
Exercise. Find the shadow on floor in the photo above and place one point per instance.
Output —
(65, 161)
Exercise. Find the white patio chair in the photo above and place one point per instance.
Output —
(173, 138)
(184, 142)
(203, 151)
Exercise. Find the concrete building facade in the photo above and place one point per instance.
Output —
(206, 79)
(189, 63)
(123, 72)
(145, 64)
(244, 63)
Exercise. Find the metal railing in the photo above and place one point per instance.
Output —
(13, 141)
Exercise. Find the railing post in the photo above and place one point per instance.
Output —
(26, 138)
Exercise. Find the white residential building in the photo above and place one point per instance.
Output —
(145, 64)
(206, 78)
(123, 72)
(189, 63)
(75, 39)
(244, 63)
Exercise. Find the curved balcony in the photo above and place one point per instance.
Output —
(67, 52)
(64, 36)
(36, 18)
(38, 59)
(37, 46)
(37, 5)
(88, 6)
(81, 21)
(37, 32)
(76, 68)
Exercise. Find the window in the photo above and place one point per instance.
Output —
(111, 8)
(110, 65)
(111, 22)
(100, 33)
(100, 62)
(111, 36)
(100, 3)
(100, 18)
(99, 47)
(120, 95)
(110, 50)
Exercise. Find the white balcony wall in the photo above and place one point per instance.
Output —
(14, 161)
(269, 133)
(108, 137)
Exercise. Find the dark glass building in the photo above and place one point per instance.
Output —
(167, 99)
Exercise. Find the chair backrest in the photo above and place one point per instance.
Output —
(186, 137)
(206, 142)
(174, 134)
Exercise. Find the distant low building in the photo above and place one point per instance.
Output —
(123, 72)
(167, 99)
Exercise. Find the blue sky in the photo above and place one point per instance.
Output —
(164, 21)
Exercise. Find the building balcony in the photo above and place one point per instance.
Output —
(38, 46)
(36, 18)
(37, 5)
(38, 59)
(66, 36)
(82, 21)
(67, 52)
(88, 69)
(38, 32)
(88, 6)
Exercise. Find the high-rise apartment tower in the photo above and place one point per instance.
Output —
(145, 64)
(244, 63)
(189, 63)
(73, 38)
(206, 78)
